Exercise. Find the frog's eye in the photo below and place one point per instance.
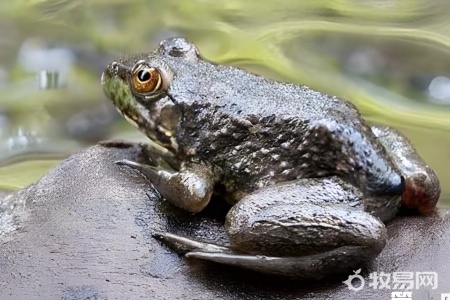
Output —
(145, 79)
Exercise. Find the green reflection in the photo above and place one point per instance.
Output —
(22, 174)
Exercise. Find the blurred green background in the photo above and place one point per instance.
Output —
(391, 58)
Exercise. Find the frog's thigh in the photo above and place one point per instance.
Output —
(301, 229)
(422, 187)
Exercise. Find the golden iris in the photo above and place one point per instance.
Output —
(146, 80)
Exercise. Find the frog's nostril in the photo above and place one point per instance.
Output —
(114, 66)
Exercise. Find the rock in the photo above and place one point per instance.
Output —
(84, 232)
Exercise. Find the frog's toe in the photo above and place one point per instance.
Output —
(339, 260)
(149, 171)
(183, 245)
(129, 163)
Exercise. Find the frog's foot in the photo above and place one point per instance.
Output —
(312, 266)
(190, 188)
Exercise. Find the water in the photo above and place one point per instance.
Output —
(391, 58)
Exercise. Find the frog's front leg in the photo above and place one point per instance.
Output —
(304, 228)
(190, 188)
(422, 187)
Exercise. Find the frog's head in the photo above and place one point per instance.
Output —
(138, 86)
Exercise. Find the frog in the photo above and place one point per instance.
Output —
(310, 183)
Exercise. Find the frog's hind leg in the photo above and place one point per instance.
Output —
(317, 266)
(422, 187)
(307, 228)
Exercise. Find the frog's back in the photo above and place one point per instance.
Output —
(257, 130)
(240, 94)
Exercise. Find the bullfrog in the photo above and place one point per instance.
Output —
(311, 184)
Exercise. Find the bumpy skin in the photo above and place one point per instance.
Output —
(242, 135)
(257, 131)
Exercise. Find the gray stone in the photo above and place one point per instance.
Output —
(84, 232)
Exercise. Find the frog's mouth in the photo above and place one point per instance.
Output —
(157, 121)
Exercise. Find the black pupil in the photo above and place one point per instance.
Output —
(144, 75)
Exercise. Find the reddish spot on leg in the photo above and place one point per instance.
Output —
(422, 191)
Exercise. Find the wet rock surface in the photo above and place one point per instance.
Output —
(84, 232)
